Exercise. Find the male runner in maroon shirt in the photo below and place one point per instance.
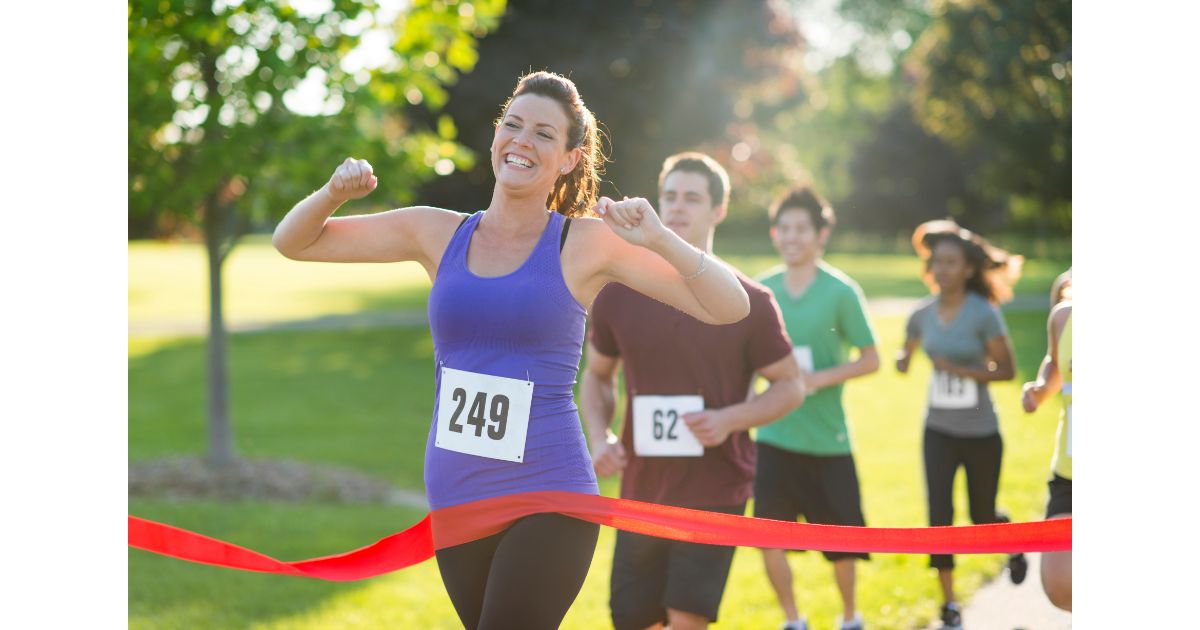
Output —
(684, 440)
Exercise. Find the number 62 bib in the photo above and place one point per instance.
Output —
(659, 429)
(483, 415)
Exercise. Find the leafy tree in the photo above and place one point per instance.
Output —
(219, 140)
(817, 140)
(904, 175)
(997, 76)
(886, 18)
(661, 75)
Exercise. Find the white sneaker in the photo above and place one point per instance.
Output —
(853, 624)
(801, 624)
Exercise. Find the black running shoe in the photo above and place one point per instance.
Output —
(951, 617)
(1018, 566)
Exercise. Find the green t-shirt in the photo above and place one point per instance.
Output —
(827, 319)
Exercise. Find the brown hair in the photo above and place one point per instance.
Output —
(996, 271)
(806, 199)
(695, 162)
(574, 193)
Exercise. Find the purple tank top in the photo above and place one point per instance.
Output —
(525, 325)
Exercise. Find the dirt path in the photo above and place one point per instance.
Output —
(1000, 605)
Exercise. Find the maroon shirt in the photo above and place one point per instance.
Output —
(666, 352)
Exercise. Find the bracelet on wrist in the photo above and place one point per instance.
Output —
(701, 269)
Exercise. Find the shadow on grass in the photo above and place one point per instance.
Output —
(356, 398)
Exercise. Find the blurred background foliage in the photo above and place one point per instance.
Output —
(899, 110)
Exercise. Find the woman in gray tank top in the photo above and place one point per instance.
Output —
(961, 330)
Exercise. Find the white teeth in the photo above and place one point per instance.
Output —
(518, 161)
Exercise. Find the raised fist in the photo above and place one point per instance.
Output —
(353, 179)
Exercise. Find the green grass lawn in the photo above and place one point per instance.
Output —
(363, 399)
(168, 282)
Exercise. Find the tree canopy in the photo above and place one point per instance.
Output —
(996, 77)
(661, 75)
(251, 104)
(240, 108)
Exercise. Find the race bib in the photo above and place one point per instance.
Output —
(659, 429)
(804, 358)
(483, 415)
(949, 391)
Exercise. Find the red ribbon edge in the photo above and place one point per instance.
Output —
(464, 523)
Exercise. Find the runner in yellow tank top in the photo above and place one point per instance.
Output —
(1062, 452)
(1055, 375)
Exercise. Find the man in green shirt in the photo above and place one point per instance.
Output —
(805, 466)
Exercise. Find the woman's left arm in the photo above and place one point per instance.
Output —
(635, 249)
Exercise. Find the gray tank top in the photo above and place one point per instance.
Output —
(956, 406)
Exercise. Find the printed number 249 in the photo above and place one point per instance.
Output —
(498, 413)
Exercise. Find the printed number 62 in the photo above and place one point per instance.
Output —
(659, 424)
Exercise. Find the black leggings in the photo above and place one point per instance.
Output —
(981, 458)
(526, 576)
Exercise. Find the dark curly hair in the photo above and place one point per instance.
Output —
(996, 270)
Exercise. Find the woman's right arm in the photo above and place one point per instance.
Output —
(905, 355)
(1049, 379)
(912, 340)
(308, 232)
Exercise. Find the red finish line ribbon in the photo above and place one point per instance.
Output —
(460, 524)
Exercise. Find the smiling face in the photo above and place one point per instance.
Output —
(686, 207)
(796, 239)
(529, 149)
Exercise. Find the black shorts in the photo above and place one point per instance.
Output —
(1060, 497)
(821, 488)
(650, 575)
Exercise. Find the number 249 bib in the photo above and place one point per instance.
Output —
(483, 415)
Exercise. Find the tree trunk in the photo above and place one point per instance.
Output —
(217, 212)
(220, 430)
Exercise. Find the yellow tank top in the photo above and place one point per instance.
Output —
(1062, 453)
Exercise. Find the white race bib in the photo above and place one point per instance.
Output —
(950, 391)
(804, 358)
(483, 415)
(659, 429)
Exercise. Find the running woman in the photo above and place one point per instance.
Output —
(1055, 376)
(507, 312)
(805, 464)
(684, 440)
(963, 333)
